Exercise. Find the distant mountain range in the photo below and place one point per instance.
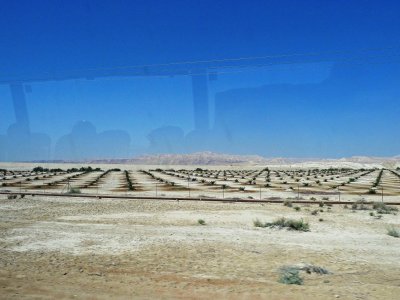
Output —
(212, 158)
(198, 158)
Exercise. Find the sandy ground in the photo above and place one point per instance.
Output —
(100, 249)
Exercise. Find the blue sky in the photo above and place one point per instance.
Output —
(342, 101)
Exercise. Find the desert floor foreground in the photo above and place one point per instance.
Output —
(65, 248)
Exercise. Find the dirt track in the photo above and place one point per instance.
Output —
(89, 248)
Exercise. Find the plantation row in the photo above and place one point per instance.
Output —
(298, 181)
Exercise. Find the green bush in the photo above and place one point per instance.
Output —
(287, 203)
(382, 208)
(74, 191)
(201, 222)
(298, 225)
(393, 232)
(290, 224)
(290, 276)
(258, 223)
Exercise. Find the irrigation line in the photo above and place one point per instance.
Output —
(225, 200)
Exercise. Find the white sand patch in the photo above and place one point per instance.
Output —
(86, 238)
(116, 216)
(75, 238)
(14, 207)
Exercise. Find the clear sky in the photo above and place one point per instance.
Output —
(335, 94)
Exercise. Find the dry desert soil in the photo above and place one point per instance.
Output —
(66, 248)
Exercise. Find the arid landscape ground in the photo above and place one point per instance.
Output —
(61, 247)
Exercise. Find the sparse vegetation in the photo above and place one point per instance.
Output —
(290, 224)
(288, 203)
(128, 181)
(378, 179)
(382, 208)
(393, 232)
(258, 223)
(74, 190)
(359, 205)
(290, 276)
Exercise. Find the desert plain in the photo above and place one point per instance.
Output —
(60, 247)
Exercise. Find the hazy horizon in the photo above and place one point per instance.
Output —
(210, 154)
